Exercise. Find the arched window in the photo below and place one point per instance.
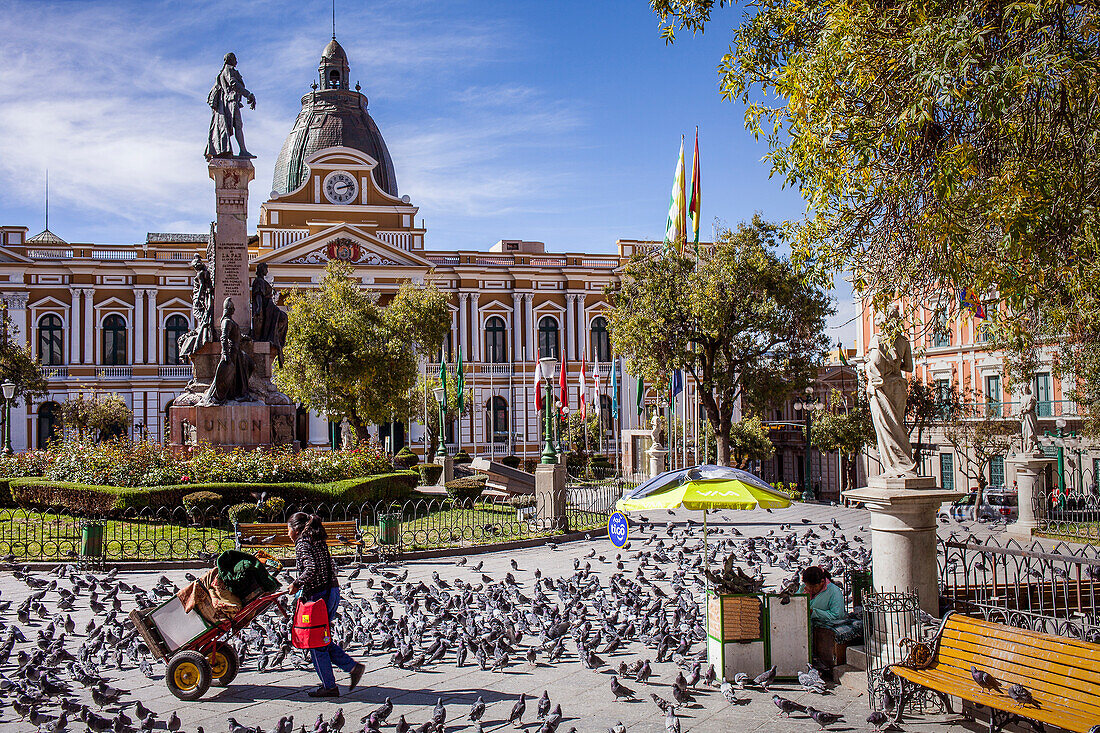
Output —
(601, 342)
(49, 340)
(49, 423)
(605, 413)
(114, 341)
(174, 328)
(548, 337)
(444, 353)
(498, 419)
(496, 351)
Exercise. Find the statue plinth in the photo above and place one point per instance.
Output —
(908, 483)
(231, 177)
(1030, 473)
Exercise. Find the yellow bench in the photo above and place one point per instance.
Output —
(275, 534)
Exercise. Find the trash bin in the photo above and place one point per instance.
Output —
(389, 528)
(859, 582)
(91, 539)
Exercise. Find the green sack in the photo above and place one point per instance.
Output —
(244, 574)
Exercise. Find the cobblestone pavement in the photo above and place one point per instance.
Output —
(259, 699)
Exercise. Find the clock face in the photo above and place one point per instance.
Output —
(340, 187)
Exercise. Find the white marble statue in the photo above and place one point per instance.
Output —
(886, 391)
(1029, 423)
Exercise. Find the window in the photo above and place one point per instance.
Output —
(601, 343)
(947, 471)
(496, 351)
(994, 405)
(444, 353)
(174, 328)
(114, 341)
(941, 332)
(605, 412)
(49, 340)
(1044, 407)
(983, 333)
(548, 337)
(49, 423)
(498, 419)
(997, 472)
(943, 396)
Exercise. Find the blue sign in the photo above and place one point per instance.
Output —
(618, 529)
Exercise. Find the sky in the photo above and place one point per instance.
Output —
(558, 122)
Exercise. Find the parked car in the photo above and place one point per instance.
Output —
(996, 504)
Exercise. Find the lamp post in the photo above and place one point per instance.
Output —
(548, 365)
(9, 392)
(1062, 440)
(807, 409)
(441, 398)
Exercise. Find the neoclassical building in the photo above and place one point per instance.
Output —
(106, 318)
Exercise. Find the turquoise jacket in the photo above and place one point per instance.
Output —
(828, 605)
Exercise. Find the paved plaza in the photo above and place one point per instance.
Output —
(261, 698)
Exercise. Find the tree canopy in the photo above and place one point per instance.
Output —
(348, 356)
(742, 321)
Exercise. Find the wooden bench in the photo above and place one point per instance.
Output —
(1062, 674)
(268, 535)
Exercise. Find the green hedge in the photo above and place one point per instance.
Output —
(466, 489)
(98, 500)
(430, 473)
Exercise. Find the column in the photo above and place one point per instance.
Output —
(581, 328)
(231, 177)
(517, 328)
(463, 333)
(152, 327)
(570, 321)
(530, 330)
(74, 324)
(139, 326)
(454, 336)
(475, 328)
(89, 334)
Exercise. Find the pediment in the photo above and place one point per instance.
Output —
(341, 157)
(345, 242)
(174, 304)
(113, 303)
(7, 255)
(549, 305)
(49, 303)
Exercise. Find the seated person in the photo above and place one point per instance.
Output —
(826, 597)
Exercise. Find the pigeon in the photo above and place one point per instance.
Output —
(173, 722)
(811, 681)
(516, 716)
(661, 703)
(619, 690)
(729, 693)
(878, 719)
(823, 718)
(477, 710)
(439, 715)
(765, 678)
(984, 679)
(543, 708)
(786, 707)
(1021, 695)
(672, 723)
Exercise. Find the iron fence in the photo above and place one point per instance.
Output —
(164, 533)
(1037, 587)
(1068, 505)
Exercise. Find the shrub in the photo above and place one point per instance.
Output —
(405, 458)
(274, 509)
(93, 499)
(242, 513)
(466, 489)
(512, 461)
(203, 503)
(430, 473)
(462, 457)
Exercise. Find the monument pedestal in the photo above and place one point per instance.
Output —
(448, 474)
(550, 495)
(1030, 469)
(903, 535)
(657, 456)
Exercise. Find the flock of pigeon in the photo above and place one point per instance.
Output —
(58, 675)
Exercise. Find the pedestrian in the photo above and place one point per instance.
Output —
(826, 597)
(317, 580)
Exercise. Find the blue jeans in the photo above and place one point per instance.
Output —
(325, 657)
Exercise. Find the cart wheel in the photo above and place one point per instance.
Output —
(224, 666)
(188, 675)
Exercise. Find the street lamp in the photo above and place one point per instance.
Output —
(1062, 440)
(548, 365)
(9, 392)
(441, 398)
(807, 409)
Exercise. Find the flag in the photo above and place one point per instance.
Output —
(460, 385)
(443, 383)
(693, 204)
(614, 390)
(675, 384)
(538, 385)
(969, 299)
(583, 385)
(596, 387)
(677, 211)
(564, 392)
(641, 396)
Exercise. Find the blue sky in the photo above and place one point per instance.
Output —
(556, 122)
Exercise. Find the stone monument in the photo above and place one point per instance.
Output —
(903, 505)
(231, 400)
(657, 452)
(1030, 465)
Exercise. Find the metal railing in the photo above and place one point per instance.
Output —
(174, 371)
(1048, 589)
(54, 372)
(163, 533)
(114, 372)
(1072, 511)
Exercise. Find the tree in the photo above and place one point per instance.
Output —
(97, 416)
(977, 437)
(346, 356)
(925, 406)
(847, 431)
(749, 442)
(424, 394)
(938, 146)
(18, 365)
(742, 321)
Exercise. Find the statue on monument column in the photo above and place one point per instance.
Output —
(269, 322)
(1029, 423)
(202, 310)
(886, 359)
(226, 99)
(231, 376)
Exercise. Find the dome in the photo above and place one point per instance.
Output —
(332, 115)
(46, 237)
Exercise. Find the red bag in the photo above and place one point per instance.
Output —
(310, 630)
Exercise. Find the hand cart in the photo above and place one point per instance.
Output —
(195, 651)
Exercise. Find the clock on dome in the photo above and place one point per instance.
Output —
(340, 187)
